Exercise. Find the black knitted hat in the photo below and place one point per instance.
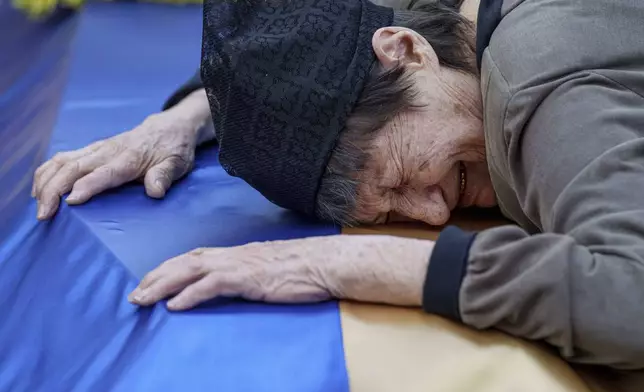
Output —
(282, 77)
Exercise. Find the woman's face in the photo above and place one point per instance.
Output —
(428, 161)
(418, 171)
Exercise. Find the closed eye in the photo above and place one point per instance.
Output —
(400, 188)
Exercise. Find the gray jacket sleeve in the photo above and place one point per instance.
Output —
(577, 169)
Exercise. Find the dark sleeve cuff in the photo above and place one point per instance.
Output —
(445, 273)
(186, 89)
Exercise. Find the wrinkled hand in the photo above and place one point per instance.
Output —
(159, 151)
(379, 269)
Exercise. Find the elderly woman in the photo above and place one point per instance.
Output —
(355, 113)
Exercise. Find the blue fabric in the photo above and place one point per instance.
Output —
(34, 59)
(66, 324)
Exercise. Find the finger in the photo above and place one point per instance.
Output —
(42, 176)
(121, 170)
(201, 291)
(172, 282)
(160, 177)
(62, 165)
(63, 181)
(59, 184)
(44, 172)
(37, 175)
(187, 261)
(150, 278)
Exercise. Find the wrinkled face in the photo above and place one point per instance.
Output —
(417, 171)
(426, 162)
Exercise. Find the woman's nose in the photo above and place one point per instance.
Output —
(430, 206)
(397, 217)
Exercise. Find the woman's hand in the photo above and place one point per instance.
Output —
(159, 151)
(379, 269)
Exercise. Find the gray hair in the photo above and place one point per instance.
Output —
(386, 94)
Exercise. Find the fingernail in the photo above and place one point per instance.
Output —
(136, 296)
(41, 212)
(73, 198)
(173, 304)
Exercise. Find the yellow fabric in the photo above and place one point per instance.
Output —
(41, 9)
(390, 349)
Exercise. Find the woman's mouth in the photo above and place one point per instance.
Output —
(463, 179)
(463, 182)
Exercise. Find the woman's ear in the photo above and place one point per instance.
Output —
(400, 46)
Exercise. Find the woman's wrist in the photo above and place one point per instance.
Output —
(377, 268)
(194, 110)
(206, 132)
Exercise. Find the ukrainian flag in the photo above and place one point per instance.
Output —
(66, 324)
